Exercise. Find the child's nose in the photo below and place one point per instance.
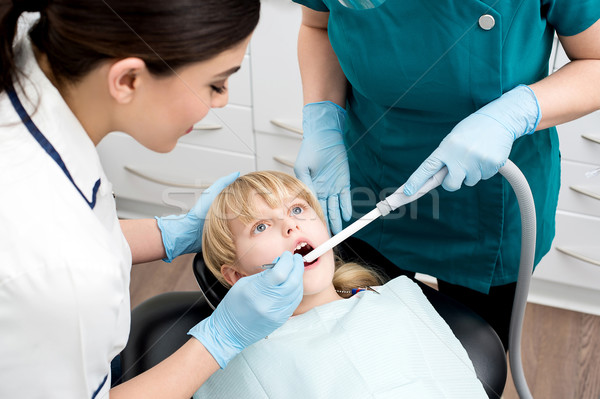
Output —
(290, 226)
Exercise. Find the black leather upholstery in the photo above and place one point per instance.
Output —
(159, 327)
(212, 289)
(479, 339)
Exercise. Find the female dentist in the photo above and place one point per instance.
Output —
(151, 69)
(395, 90)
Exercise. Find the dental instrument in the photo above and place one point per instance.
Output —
(383, 208)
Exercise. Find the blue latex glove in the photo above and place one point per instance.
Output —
(182, 234)
(480, 144)
(252, 309)
(322, 162)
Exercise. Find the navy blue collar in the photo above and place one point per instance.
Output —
(47, 146)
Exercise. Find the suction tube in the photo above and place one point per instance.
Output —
(521, 188)
(383, 208)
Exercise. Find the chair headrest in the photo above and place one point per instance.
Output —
(212, 289)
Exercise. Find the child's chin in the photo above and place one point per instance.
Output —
(314, 288)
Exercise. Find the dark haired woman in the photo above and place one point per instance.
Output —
(151, 69)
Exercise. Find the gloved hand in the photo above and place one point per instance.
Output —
(252, 309)
(182, 234)
(480, 144)
(322, 162)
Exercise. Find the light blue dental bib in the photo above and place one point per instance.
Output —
(389, 344)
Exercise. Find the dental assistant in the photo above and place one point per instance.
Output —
(87, 68)
(395, 90)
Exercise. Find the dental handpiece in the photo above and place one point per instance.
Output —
(384, 207)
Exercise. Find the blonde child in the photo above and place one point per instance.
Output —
(384, 340)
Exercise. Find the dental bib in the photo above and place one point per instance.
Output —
(385, 344)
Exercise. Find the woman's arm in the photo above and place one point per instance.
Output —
(322, 76)
(574, 90)
(178, 376)
(144, 238)
(322, 162)
(567, 94)
(253, 308)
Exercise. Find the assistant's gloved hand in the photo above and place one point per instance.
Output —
(322, 162)
(182, 234)
(480, 144)
(252, 309)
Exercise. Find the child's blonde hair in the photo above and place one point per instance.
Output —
(236, 201)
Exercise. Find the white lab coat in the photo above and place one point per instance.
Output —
(64, 268)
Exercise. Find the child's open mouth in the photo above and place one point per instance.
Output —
(303, 249)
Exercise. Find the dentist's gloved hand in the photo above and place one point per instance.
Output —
(322, 162)
(182, 234)
(252, 309)
(480, 144)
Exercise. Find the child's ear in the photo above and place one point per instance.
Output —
(230, 274)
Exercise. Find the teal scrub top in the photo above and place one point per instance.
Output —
(415, 69)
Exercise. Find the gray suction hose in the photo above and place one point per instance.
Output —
(521, 188)
(528, 231)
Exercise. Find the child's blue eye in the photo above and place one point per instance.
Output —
(259, 228)
(297, 210)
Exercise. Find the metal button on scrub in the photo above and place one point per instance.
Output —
(486, 22)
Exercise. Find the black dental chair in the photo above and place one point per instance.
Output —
(159, 326)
